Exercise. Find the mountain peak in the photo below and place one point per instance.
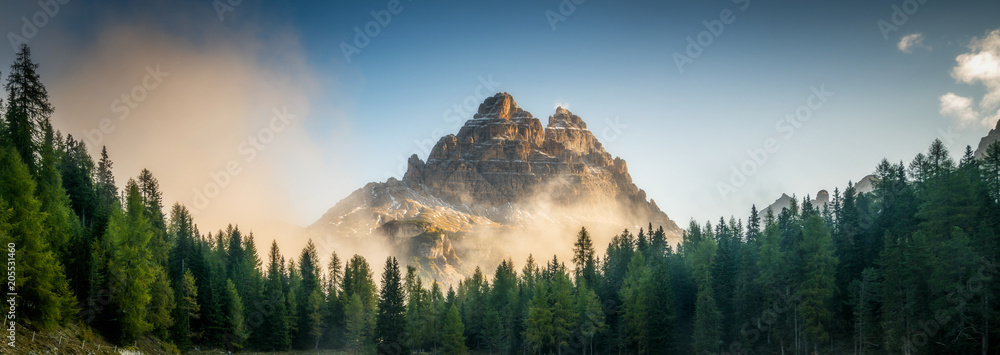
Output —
(993, 136)
(501, 106)
(565, 119)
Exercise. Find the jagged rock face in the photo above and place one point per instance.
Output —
(993, 136)
(504, 157)
(503, 172)
(491, 173)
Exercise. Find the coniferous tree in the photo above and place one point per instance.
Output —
(636, 303)
(990, 164)
(591, 316)
(419, 316)
(818, 286)
(708, 318)
(564, 315)
(358, 282)
(187, 309)
(43, 284)
(492, 330)
(237, 333)
(453, 342)
(310, 310)
(106, 191)
(584, 259)
(334, 306)
(864, 302)
(390, 321)
(27, 108)
(129, 268)
(503, 298)
(62, 224)
(274, 331)
(356, 324)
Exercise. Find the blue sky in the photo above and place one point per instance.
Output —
(610, 62)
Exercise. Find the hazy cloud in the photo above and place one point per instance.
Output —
(219, 100)
(960, 108)
(910, 42)
(980, 65)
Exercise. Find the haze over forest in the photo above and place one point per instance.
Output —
(533, 176)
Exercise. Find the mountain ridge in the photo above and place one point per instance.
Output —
(503, 171)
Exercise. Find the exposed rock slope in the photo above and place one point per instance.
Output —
(503, 168)
(503, 172)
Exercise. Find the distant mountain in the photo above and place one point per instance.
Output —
(866, 184)
(990, 138)
(502, 172)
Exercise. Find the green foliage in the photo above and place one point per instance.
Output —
(356, 324)
(708, 318)
(817, 289)
(452, 340)
(237, 333)
(584, 258)
(40, 278)
(27, 108)
(274, 326)
(636, 302)
(390, 321)
(187, 309)
(591, 316)
(129, 268)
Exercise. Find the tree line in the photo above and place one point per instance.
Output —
(906, 268)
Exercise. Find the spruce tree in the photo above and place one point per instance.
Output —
(130, 273)
(356, 324)
(274, 334)
(818, 286)
(27, 107)
(453, 342)
(390, 321)
(708, 319)
(187, 310)
(635, 304)
(583, 258)
(44, 291)
(236, 332)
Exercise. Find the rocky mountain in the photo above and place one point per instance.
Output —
(503, 171)
(866, 184)
(993, 136)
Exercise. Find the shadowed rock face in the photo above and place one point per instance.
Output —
(492, 172)
(993, 136)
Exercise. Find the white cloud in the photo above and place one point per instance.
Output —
(910, 42)
(960, 108)
(561, 103)
(980, 65)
